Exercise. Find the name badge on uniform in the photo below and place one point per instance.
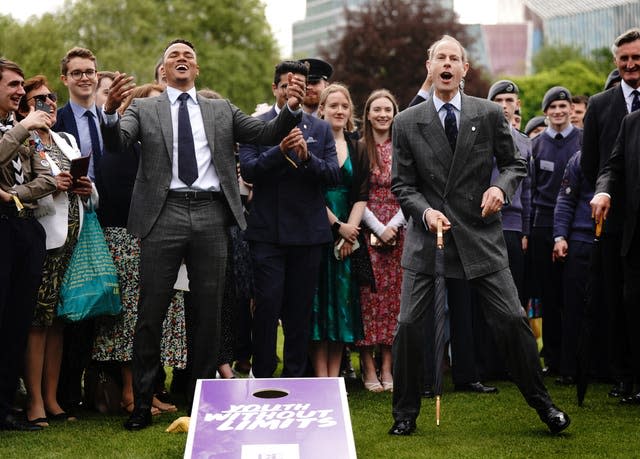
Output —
(546, 165)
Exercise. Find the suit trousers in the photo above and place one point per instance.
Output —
(631, 295)
(611, 276)
(285, 280)
(505, 317)
(23, 253)
(513, 239)
(196, 231)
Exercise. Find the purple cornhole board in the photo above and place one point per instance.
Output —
(231, 418)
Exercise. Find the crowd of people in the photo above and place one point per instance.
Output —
(321, 220)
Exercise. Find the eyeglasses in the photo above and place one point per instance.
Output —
(43, 97)
(78, 74)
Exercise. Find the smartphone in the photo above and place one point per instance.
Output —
(43, 106)
(79, 168)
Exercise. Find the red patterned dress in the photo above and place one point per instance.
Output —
(380, 310)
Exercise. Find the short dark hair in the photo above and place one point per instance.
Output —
(178, 40)
(32, 83)
(83, 53)
(629, 36)
(289, 66)
(6, 64)
(580, 99)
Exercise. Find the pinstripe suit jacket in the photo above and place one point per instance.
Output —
(426, 174)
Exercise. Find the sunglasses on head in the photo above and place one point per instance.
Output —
(43, 97)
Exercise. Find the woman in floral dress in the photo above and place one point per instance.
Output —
(384, 221)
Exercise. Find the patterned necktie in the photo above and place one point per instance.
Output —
(187, 165)
(96, 150)
(635, 103)
(451, 126)
(6, 124)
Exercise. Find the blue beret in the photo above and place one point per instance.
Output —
(502, 87)
(553, 94)
(535, 122)
(612, 79)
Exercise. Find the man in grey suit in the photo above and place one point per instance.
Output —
(185, 195)
(444, 152)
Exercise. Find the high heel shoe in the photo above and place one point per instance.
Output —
(372, 386)
(387, 385)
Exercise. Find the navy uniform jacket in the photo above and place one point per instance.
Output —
(572, 215)
(288, 206)
(549, 159)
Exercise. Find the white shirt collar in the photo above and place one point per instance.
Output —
(456, 102)
(174, 93)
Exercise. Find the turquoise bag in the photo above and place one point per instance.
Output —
(90, 285)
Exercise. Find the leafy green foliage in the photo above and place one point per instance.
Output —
(574, 75)
(235, 47)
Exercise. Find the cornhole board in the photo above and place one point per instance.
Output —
(279, 418)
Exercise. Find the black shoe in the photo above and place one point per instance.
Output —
(631, 399)
(403, 427)
(428, 393)
(621, 389)
(476, 387)
(557, 420)
(10, 422)
(565, 380)
(138, 420)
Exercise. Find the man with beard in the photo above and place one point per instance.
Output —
(318, 79)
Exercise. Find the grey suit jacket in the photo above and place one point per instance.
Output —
(426, 174)
(149, 121)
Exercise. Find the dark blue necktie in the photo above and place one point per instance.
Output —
(187, 166)
(96, 151)
(635, 103)
(451, 126)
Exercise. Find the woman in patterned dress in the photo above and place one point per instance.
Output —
(61, 216)
(384, 221)
(336, 317)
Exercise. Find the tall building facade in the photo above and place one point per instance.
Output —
(323, 18)
(586, 24)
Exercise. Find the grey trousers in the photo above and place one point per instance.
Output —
(505, 317)
(195, 231)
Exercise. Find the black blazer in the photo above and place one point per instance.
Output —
(622, 172)
(602, 121)
(288, 205)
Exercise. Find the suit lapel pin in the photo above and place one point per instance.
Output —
(473, 128)
(304, 126)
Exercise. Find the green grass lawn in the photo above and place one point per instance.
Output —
(472, 426)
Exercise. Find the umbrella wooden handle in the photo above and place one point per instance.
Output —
(599, 225)
(439, 237)
(438, 410)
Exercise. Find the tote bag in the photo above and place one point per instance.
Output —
(90, 285)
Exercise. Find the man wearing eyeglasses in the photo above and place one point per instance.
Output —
(79, 117)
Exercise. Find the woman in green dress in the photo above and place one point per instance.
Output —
(336, 317)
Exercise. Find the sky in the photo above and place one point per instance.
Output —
(281, 14)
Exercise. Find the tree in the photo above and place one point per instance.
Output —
(577, 77)
(235, 48)
(384, 45)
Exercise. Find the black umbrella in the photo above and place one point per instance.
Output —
(439, 300)
(592, 300)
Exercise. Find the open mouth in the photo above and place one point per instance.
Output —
(446, 76)
(182, 68)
